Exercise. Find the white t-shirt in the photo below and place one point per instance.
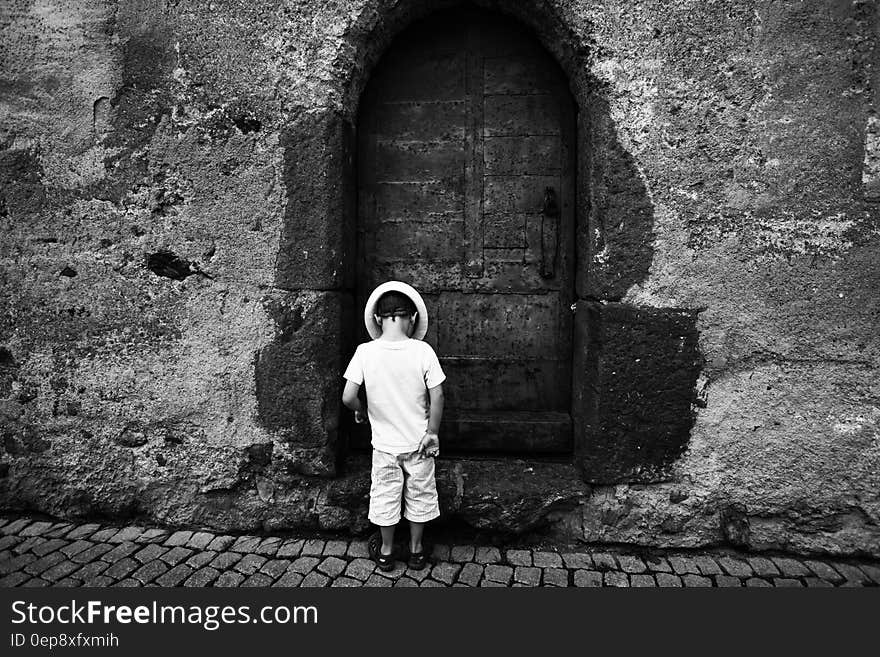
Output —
(396, 375)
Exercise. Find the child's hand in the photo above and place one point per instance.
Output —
(429, 445)
(360, 417)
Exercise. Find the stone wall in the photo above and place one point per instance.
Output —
(177, 215)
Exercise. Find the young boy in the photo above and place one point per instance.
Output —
(403, 378)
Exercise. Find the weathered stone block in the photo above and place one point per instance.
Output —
(298, 379)
(635, 374)
(317, 236)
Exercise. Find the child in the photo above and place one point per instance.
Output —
(404, 403)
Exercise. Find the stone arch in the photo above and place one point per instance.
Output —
(613, 243)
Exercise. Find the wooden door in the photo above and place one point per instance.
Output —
(466, 171)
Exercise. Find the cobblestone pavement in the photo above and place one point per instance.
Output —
(44, 553)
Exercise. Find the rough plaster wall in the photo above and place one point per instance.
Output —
(138, 127)
(748, 122)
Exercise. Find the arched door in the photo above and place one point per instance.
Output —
(466, 170)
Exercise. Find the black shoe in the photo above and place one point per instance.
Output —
(417, 560)
(385, 562)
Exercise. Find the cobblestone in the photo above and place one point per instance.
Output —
(335, 548)
(43, 563)
(60, 570)
(44, 553)
(462, 553)
(757, 582)
(289, 579)
(615, 579)
(121, 568)
(527, 575)
(221, 543)
(175, 576)
(502, 574)
(289, 549)
(200, 559)
(486, 555)
(735, 567)
(348, 582)
(304, 565)
(519, 557)
(790, 567)
(696, 581)
(202, 577)
(784, 581)
(95, 568)
(35, 529)
(587, 578)
(871, 571)
(332, 566)
(358, 549)
(577, 560)
(246, 544)
(275, 568)
(360, 569)
(376, 580)
(668, 579)
(229, 578)
(268, 547)
(604, 561)
(317, 580)
(555, 577)
(852, 575)
(257, 580)
(471, 574)
(9, 541)
(127, 535)
(76, 547)
(178, 538)
(200, 541)
(175, 555)
(440, 552)
(153, 536)
(631, 564)
(707, 565)
(824, 571)
(544, 559)
(104, 535)
(225, 560)
(250, 563)
(150, 571)
(642, 581)
(150, 552)
(763, 566)
(121, 551)
(92, 553)
(445, 572)
(683, 565)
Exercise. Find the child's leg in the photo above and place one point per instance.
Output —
(420, 497)
(387, 539)
(416, 529)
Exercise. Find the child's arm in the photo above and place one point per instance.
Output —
(430, 443)
(352, 401)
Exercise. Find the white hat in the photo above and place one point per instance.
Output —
(396, 286)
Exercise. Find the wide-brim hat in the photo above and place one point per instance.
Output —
(396, 286)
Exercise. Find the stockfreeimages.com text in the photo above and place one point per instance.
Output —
(211, 617)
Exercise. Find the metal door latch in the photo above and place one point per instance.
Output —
(549, 233)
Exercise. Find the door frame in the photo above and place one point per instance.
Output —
(570, 130)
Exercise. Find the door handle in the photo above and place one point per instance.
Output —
(549, 233)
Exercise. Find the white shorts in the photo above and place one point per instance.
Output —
(404, 477)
